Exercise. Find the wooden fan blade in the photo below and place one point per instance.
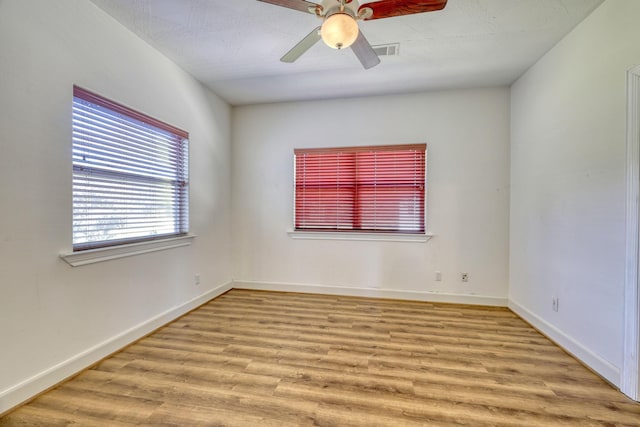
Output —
(304, 45)
(389, 8)
(301, 5)
(365, 53)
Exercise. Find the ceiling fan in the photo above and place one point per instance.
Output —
(339, 28)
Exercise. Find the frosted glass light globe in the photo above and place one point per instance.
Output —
(339, 30)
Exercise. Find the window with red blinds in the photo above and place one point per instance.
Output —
(372, 189)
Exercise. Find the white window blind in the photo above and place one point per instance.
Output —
(130, 175)
(372, 189)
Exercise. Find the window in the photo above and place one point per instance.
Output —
(130, 177)
(372, 189)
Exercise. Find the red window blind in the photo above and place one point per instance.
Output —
(373, 189)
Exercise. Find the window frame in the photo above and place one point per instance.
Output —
(338, 233)
(179, 185)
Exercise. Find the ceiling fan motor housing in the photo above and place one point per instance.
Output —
(350, 6)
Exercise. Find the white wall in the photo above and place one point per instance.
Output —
(55, 319)
(568, 116)
(467, 133)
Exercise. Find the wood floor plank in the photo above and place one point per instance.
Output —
(175, 415)
(254, 358)
(38, 415)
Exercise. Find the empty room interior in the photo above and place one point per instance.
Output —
(500, 287)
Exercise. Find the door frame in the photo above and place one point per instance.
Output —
(629, 374)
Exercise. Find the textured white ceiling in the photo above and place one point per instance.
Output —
(234, 46)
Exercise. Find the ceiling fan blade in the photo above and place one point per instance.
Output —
(389, 8)
(304, 45)
(301, 5)
(365, 53)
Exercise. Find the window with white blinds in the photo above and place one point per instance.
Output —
(130, 175)
(372, 189)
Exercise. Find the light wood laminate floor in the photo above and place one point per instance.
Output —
(251, 358)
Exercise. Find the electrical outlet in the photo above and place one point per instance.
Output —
(555, 304)
(438, 276)
(464, 277)
(196, 279)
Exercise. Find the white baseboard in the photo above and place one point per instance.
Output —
(27, 389)
(372, 293)
(579, 351)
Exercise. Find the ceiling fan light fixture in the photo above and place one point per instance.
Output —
(339, 30)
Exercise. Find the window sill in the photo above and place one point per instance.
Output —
(374, 237)
(91, 256)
